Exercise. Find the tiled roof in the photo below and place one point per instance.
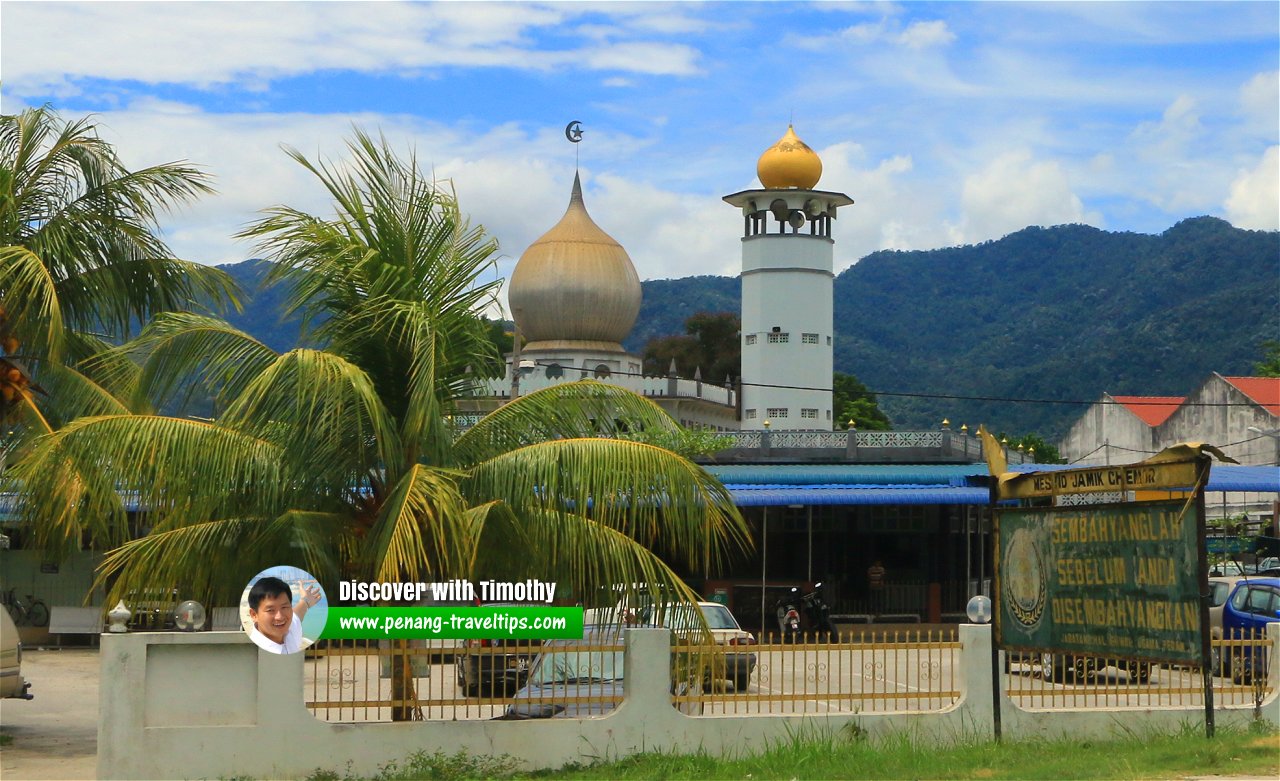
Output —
(1152, 410)
(1264, 390)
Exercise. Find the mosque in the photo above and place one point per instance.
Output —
(822, 504)
(575, 296)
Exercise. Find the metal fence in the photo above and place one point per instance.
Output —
(1048, 681)
(871, 672)
(864, 672)
(354, 681)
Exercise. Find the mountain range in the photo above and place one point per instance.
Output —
(1020, 332)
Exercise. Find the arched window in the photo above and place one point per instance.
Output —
(602, 371)
(555, 371)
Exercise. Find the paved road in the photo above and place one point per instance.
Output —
(55, 736)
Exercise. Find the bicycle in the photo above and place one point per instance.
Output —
(32, 613)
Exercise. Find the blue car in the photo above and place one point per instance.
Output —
(1254, 603)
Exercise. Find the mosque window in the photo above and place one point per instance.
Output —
(555, 371)
(749, 414)
(828, 341)
(809, 412)
(751, 338)
(809, 338)
(602, 371)
(779, 337)
(777, 412)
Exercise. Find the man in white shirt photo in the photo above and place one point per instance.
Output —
(277, 622)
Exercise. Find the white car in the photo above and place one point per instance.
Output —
(11, 681)
(725, 630)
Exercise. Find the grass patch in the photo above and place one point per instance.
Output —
(5, 738)
(1251, 752)
(438, 766)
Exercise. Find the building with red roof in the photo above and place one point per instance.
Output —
(1239, 415)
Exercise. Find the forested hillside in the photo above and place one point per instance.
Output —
(1061, 313)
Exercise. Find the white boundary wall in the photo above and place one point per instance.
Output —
(211, 704)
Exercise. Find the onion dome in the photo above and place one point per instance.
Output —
(790, 163)
(575, 287)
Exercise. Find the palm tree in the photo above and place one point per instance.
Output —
(345, 460)
(81, 263)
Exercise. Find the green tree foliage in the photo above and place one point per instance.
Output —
(1045, 453)
(1060, 313)
(81, 263)
(710, 343)
(688, 442)
(1269, 366)
(852, 401)
(342, 458)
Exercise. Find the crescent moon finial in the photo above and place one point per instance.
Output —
(573, 131)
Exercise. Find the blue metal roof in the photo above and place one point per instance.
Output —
(765, 485)
(755, 496)
(847, 474)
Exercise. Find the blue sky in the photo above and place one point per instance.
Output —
(947, 123)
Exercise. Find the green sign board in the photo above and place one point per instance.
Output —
(1103, 580)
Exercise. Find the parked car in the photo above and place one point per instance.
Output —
(1219, 590)
(1075, 668)
(1254, 603)
(725, 630)
(12, 683)
(483, 672)
(569, 683)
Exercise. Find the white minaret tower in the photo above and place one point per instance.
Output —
(787, 322)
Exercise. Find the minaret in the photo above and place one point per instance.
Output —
(787, 291)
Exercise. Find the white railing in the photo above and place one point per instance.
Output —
(899, 439)
(809, 439)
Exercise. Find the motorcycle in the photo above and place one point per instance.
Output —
(788, 613)
(818, 611)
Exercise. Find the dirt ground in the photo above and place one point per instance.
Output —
(54, 736)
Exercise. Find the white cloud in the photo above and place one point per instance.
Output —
(915, 36)
(1255, 195)
(1014, 191)
(202, 45)
(1260, 103)
(1178, 128)
(923, 35)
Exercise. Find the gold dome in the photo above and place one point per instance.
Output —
(575, 286)
(790, 163)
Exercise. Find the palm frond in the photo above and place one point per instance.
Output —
(325, 540)
(29, 295)
(422, 531)
(186, 350)
(325, 410)
(176, 471)
(598, 563)
(93, 224)
(74, 394)
(210, 562)
(573, 409)
(663, 501)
